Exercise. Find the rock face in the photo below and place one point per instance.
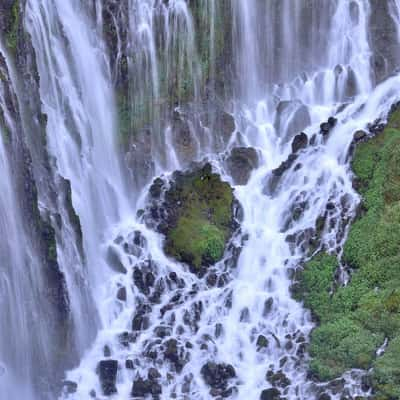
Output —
(196, 215)
(240, 163)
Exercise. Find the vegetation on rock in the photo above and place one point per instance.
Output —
(355, 320)
(200, 216)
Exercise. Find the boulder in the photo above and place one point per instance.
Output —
(299, 142)
(270, 394)
(197, 216)
(217, 376)
(108, 375)
(241, 162)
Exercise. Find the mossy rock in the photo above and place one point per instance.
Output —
(355, 320)
(198, 220)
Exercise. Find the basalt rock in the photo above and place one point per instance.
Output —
(270, 394)
(108, 375)
(326, 127)
(299, 142)
(241, 162)
(196, 213)
(217, 376)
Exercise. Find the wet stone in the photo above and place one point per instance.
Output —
(70, 387)
(108, 375)
(277, 378)
(299, 142)
(216, 375)
(241, 162)
(145, 387)
(359, 135)
(270, 394)
(121, 294)
(324, 396)
(262, 342)
(106, 351)
(129, 364)
(268, 306)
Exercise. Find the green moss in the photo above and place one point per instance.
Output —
(355, 320)
(340, 345)
(204, 217)
(386, 375)
(316, 284)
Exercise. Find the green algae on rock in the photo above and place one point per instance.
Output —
(198, 220)
(355, 320)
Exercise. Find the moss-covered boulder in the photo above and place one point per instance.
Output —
(195, 212)
(354, 321)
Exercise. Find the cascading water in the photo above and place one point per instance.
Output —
(293, 65)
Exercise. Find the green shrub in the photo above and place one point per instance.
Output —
(355, 320)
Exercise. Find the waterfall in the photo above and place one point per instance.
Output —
(133, 90)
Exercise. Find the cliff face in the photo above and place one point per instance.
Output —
(43, 199)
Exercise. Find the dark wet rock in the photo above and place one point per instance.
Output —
(336, 386)
(140, 320)
(217, 376)
(244, 315)
(349, 79)
(156, 188)
(219, 330)
(212, 279)
(268, 306)
(70, 387)
(125, 338)
(283, 361)
(174, 354)
(162, 331)
(153, 374)
(376, 127)
(359, 135)
(278, 172)
(196, 214)
(366, 383)
(299, 142)
(129, 364)
(285, 165)
(108, 375)
(278, 379)
(106, 351)
(121, 294)
(326, 127)
(324, 396)
(145, 387)
(114, 260)
(270, 394)
(241, 162)
(262, 342)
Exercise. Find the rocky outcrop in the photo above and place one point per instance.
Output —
(107, 370)
(195, 212)
(241, 162)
